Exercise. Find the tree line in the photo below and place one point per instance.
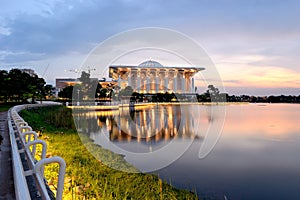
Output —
(17, 85)
(86, 89)
(213, 94)
(264, 99)
(91, 89)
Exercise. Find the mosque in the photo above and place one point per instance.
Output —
(151, 77)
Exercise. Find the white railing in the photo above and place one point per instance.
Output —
(23, 134)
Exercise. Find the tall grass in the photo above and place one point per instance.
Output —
(87, 177)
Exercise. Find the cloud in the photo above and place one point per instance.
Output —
(260, 77)
(61, 25)
(250, 41)
(4, 31)
(258, 71)
(19, 57)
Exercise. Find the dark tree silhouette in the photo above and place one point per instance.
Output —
(127, 91)
(66, 93)
(17, 85)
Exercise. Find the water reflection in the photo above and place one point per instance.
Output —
(158, 123)
(257, 156)
(149, 138)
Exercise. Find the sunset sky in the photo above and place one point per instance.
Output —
(255, 45)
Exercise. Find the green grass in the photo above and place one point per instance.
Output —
(86, 176)
(6, 106)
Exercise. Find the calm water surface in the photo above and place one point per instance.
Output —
(256, 157)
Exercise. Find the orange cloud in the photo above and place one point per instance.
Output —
(243, 72)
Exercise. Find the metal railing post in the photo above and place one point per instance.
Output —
(21, 187)
(61, 174)
(44, 149)
(29, 134)
(24, 132)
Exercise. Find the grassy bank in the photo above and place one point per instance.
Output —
(6, 106)
(87, 177)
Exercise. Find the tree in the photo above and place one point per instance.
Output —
(48, 91)
(23, 86)
(85, 78)
(103, 93)
(98, 89)
(212, 90)
(136, 97)
(92, 89)
(88, 87)
(38, 87)
(202, 97)
(4, 85)
(18, 85)
(212, 94)
(127, 91)
(66, 93)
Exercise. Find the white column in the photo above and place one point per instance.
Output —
(148, 82)
(175, 81)
(183, 84)
(157, 81)
(139, 81)
(157, 84)
(166, 84)
(193, 86)
(166, 81)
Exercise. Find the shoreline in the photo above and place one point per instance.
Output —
(147, 105)
(83, 167)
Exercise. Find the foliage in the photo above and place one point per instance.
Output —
(88, 88)
(5, 107)
(87, 177)
(212, 94)
(66, 93)
(18, 85)
(48, 90)
(127, 91)
(104, 93)
(85, 78)
(136, 97)
(98, 91)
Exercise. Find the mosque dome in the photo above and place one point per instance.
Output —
(150, 64)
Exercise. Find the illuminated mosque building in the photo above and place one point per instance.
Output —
(152, 77)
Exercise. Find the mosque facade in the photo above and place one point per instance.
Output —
(152, 77)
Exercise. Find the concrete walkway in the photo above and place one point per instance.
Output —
(7, 191)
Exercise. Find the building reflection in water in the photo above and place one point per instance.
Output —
(156, 123)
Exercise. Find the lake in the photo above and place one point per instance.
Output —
(256, 155)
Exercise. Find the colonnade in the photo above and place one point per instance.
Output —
(157, 80)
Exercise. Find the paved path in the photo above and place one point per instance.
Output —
(7, 191)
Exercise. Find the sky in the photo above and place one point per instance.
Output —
(255, 44)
